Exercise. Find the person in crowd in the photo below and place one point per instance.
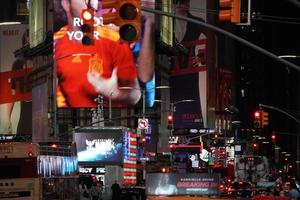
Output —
(84, 192)
(116, 191)
(294, 192)
(95, 192)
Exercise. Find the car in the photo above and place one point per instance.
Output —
(243, 189)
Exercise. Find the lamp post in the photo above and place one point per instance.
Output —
(172, 107)
(143, 90)
(172, 104)
(109, 105)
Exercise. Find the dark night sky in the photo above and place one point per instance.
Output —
(270, 82)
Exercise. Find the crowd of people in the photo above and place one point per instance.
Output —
(281, 189)
(93, 189)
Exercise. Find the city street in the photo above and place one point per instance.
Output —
(146, 99)
(191, 198)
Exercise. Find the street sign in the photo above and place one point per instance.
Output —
(143, 123)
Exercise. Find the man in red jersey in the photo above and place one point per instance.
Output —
(84, 72)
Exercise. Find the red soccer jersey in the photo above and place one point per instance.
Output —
(74, 89)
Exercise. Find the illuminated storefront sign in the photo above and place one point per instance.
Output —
(182, 184)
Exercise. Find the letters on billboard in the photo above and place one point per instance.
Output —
(168, 184)
(15, 91)
(83, 72)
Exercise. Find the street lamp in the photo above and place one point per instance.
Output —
(143, 90)
(289, 56)
(172, 104)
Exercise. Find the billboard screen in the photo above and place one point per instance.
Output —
(15, 91)
(168, 184)
(189, 69)
(83, 72)
(100, 146)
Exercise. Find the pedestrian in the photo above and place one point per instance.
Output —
(95, 192)
(116, 191)
(84, 193)
(294, 192)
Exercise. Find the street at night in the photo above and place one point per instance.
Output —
(149, 99)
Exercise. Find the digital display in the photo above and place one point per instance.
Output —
(168, 184)
(101, 146)
(189, 69)
(105, 67)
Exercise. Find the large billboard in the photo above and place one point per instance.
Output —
(83, 72)
(99, 146)
(189, 70)
(170, 184)
(15, 91)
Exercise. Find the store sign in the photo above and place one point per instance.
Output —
(167, 184)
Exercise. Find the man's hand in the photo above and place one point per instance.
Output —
(104, 86)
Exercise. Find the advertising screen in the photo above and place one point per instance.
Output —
(15, 91)
(100, 146)
(189, 70)
(109, 67)
(167, 184)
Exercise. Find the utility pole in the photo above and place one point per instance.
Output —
(97, 114)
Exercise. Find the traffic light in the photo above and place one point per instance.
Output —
(230, 10)
(273, 137)
(170, 124)
(215, 136)
(255, 145)
(265, 118)
(257, 119)
(127, 17)
(87, 28)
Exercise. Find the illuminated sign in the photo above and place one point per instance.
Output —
(83, 72)
(182, 184)
(103, 145)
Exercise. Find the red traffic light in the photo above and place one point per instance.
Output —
(273, 136)
(257, 119)
(170, 122)
(87, 28)
(30, 151)
(87, 14)
(257, 114)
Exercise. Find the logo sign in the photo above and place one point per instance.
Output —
(204, 155)
(143, 123)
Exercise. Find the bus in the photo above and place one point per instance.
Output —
(38, 171)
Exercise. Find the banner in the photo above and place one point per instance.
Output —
(167, 184)
(15, 91)
(189, 70)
